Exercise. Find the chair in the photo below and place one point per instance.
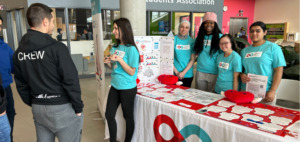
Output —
(288, 94)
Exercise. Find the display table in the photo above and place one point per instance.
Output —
(179, 116)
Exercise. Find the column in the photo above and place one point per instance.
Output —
(135, 11)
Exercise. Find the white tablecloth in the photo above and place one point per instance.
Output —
(193, 126)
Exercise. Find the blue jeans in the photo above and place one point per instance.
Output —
(4, 129)
(10, 109)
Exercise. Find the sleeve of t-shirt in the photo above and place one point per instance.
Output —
(133, 57)
(237, 64)
(278, 58)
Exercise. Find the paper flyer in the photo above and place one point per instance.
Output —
(257, 85)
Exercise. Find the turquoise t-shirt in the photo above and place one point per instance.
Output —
(262, 60)
(205, 62)
(226, 67)
(183, 49)
(119, 78)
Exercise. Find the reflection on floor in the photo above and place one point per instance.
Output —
(93, 130)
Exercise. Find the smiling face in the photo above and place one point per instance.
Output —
(257, 34)
(225, 44)
(117, 32)
(184, 29)
(209, 26)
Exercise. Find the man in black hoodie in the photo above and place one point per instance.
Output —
(47, 79)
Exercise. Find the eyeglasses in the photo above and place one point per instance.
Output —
(224, 43)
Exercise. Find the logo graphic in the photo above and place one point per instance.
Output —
(223, 65)
(179, 136)
(253, 54)
(183, 47)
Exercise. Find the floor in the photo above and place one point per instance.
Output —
(93, 128)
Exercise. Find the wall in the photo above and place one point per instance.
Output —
(233, 7)
(105, 4)
(278, 11)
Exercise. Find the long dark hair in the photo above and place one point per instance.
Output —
(127, 35)
(233, 45)
(198, 48)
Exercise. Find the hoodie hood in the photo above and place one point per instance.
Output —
(34, 40)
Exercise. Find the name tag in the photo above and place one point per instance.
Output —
(207, 42)
(183, 47)
(253, 54)
(120, 53)
(224, 65)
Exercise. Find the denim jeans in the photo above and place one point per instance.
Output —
(10, 109)
(4, 129)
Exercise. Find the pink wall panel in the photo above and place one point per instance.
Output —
(233, 7)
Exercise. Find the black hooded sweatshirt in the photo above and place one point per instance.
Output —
(45, 73)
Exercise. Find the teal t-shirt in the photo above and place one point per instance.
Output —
(119, 78)
(205, 62)
(262, 60)
(183, 49)
(226, 67)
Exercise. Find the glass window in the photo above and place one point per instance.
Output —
(159, 23)
(197, 20)
(108, 16)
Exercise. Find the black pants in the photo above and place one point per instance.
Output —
(126, 98)
(10, 109)
(187, 82)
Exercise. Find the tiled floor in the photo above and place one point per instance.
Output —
(93, 130)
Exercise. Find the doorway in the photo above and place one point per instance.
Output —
(236, 24)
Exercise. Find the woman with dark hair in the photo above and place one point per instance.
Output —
(124, 63)
(229, 65)
(184, 55)
(207, 49)
(263, 58)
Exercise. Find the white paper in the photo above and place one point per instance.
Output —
(166, 48)
(166, 67)
(257, 85)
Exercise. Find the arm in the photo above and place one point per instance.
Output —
(132, 64)
(22, 86)
(175, 71)
(11, 53)
(188, 67)
(69, 76)
(276, 81)
(236, 80)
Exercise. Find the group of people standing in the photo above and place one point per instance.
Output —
(219, 66)
(47, 80)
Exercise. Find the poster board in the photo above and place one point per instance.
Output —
(156, 56)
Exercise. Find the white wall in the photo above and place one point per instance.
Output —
(278, 11)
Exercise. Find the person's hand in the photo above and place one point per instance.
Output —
(269, 96)
(115, 58)
(244, 78)
(106, 60)
(78, 114)
(180, 75)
